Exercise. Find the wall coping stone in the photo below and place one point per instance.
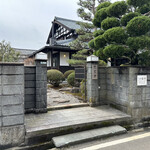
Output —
(11, 63)
(125, 67)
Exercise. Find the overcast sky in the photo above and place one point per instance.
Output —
(26, 23)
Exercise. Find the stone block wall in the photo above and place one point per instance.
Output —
(30, 87)
(12, 131)
(41, 86)
(36, 88)
(118, 86)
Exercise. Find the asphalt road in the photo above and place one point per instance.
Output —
(135, 140)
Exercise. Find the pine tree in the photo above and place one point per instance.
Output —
(86, 12)
(123, 33)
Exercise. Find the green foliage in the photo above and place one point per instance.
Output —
(76, 62)
(7, 53)
(102, 63)
(136, 43)
(116, 34)
(99, 42)
(99, 17)
(110, 23)
(71, 79)
(144, 8)
(99, 53)
(138, 26)
(114, 51)
(137, 3)
(82, 87)
(144, 58)
(126, 18)
(98, 32)
(103, 5)
(130, 42)
(117, 9)
(67, 73)
(91, 44)
(55, 77)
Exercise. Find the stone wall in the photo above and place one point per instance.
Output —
(30, 87)
(118, 86)
(36, 88)
(12, 131)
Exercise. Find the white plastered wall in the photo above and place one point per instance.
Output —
(64, 56)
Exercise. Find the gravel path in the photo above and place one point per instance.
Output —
(56, 98)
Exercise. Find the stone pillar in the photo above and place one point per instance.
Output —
(92, 81)
(41, 83)
(12, 129)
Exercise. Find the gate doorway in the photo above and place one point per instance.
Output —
(66, 94)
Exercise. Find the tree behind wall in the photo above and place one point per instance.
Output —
(86, 12)
(123, 32)
(7, 53)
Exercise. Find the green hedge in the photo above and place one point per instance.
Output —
(67, 73)
(71, 79)
(55, 77)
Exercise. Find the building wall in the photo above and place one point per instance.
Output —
(12, 130)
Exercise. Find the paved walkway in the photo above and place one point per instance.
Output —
(57, 98)
(70, 117)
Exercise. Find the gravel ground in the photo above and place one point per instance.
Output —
(56, 98)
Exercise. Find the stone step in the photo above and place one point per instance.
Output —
(84, 136)
(50, 108)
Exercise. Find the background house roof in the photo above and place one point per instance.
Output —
(24, 51)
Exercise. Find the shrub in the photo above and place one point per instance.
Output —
(110, 22)
(71, 79)
(138, 26)
(67, 73)
(82, 87)
(116, 34)
(55, 77)
(117, 9)
(126, 18)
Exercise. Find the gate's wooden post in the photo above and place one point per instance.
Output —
(92, 80)
(41, 82)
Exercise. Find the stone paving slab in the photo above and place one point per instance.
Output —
(84, 136)
(58, 98)
(37, 124)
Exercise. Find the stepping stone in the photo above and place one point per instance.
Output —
(84, 136)
(55, 96)
(61, 101)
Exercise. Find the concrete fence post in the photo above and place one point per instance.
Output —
(12, 126)
(92, 80)
(41, 82)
